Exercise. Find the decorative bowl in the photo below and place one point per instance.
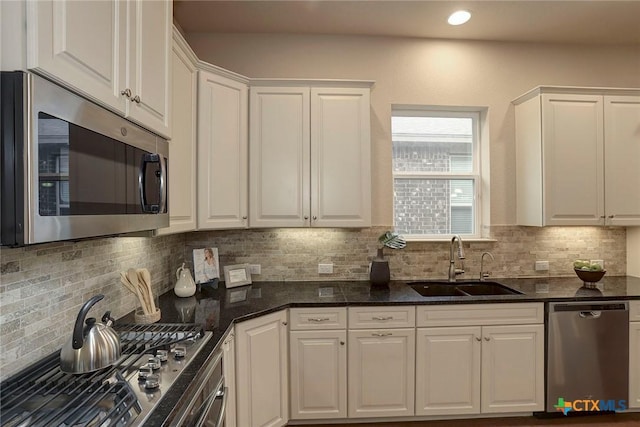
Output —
(589, 276)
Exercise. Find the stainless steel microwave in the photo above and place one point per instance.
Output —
(72, 169)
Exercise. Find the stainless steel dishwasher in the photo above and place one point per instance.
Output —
(587, 352)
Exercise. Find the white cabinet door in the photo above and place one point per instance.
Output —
(116, 53)
(182, 147)
(318, 367)
(310, 157)
(622, 159)
(634, 365)
(262, 371)
(448, 370)
(573, 159)
(512, 368)
(149, 64)
(279, 157)
(340, 158)
(80, 44)
(222, 152)
(229, 368)
(381, 365)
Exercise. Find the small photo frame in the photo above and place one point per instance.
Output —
(206, 267)
(237, 275)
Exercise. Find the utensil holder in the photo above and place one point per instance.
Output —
(142, 318)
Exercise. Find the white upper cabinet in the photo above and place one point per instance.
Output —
(279, 157)
(182, 147)
(116, 53)
(578, 157)
(340, 158)
(310, 157)
(222, 152)
(622, 159)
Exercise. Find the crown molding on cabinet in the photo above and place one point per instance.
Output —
(580, 90)
(334, 83)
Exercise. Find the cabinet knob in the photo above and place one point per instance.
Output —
(341, 342)
(487, 338)
(381, 334)
(602, 216)
(126, 92)
(285, 323)
(244, 217)
(315, 217)
(306, 217)
(612, 216)
(478, 339)
(136, 99)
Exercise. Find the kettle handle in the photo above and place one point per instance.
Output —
(78, 338)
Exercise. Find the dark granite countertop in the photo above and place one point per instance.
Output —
(218, 309)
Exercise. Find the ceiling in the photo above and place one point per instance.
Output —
(573, 21)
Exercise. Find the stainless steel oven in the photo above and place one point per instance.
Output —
(72, 169)
(206, 406)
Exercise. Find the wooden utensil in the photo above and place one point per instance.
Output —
(145, 279)
(132, 275)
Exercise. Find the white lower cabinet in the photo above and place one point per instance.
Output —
(262, 371)
(318, 374)
(318, 362)
(448, 370)
(480, 368)
(229, 371)
(634, 355)
(381, 372)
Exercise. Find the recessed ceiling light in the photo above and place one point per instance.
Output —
(459, 17)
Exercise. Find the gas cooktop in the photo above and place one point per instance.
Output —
(153, 357)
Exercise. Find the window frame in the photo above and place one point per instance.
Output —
(476, 115)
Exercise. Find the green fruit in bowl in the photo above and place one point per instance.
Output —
(595, 267)
(580, 264)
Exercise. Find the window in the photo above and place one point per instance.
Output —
(436, 172)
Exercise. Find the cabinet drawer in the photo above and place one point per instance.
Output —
(304, 319)
(480, 314)
(382, 317)
(634, 311)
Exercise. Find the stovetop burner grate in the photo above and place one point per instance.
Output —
(43, 395)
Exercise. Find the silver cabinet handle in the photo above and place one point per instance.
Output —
(136, 99)
(318, 319)
(382, 317)
(381, 334)
(126, 92)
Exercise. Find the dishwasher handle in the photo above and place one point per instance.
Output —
(585, 307)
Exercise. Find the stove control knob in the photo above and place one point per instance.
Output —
(162, 355)
(152, 382)
(154, 363)
(144, 372)
(179, 352)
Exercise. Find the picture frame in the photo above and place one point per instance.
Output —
(237, 275)
(206, 265)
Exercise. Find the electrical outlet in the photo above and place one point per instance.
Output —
(542, 266)
(255, 268)
(600, 262)
(325, 268)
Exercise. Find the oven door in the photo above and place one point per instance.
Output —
(207, 407)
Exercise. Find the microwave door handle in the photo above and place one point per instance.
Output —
(142, 176)
(163, 184)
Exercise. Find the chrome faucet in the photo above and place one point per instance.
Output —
(484, 275)
(453, 271)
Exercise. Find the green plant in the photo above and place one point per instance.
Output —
(392, 240)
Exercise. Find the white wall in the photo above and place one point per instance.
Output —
(633, 251)
(432, 72)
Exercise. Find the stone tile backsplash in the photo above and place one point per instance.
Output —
(42, 287)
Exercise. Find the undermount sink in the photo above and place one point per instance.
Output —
(461, 288)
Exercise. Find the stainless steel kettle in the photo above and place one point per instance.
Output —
(92, 346)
